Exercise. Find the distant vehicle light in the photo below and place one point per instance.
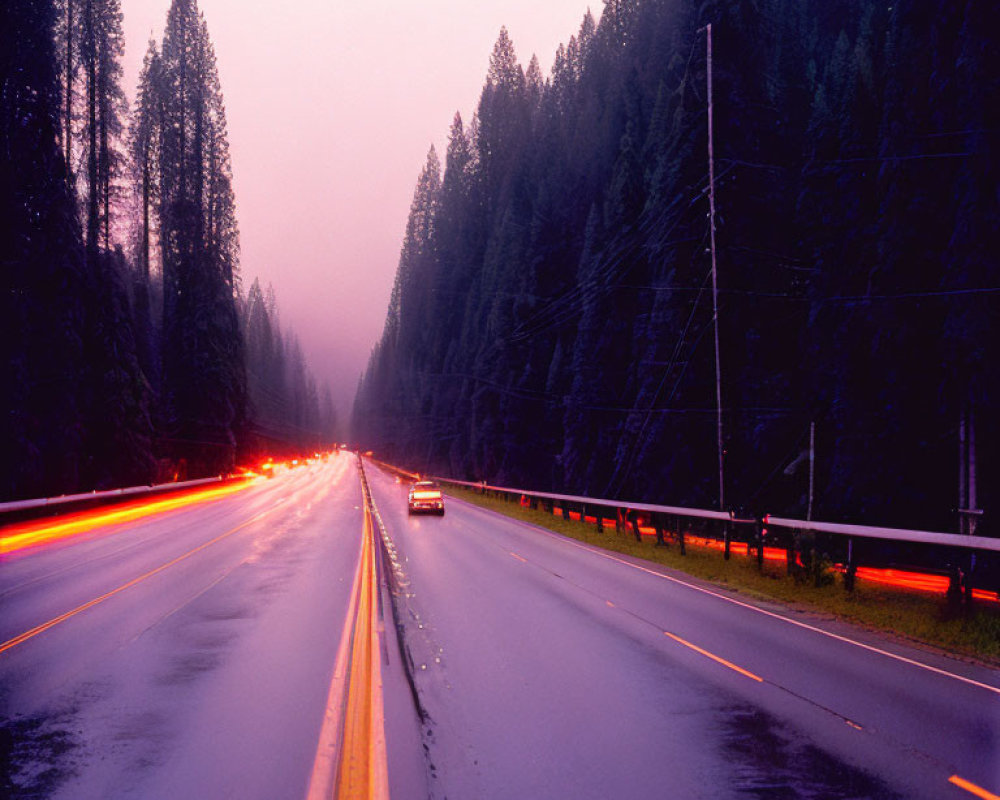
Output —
(425, 496)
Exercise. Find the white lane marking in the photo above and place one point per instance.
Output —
(798, 624)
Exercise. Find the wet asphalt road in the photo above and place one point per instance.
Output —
(544, 669)
(550, 670)
(206, 680)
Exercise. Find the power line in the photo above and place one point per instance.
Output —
(659, 389)
(910, 295)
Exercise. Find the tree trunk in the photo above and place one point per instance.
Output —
(68, 141)
(93, 225)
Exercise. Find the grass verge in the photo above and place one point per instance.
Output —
(919, 617)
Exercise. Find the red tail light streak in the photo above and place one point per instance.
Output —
(896, 578)
(917, 581)
(37, 533)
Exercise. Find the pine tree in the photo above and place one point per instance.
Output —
(570, 339)
(42, 280)
(203, 372)
(144, 149)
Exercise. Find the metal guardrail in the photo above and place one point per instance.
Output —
(111, 494)
(966, 541)
(782, 533)
(579, 500)
(860, 531)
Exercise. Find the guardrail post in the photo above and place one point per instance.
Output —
(759, 530)
(680, 535)
(599, 514)
(967, 588)
(727, 537)
(956, 580)
(658, 527)
(851, 568)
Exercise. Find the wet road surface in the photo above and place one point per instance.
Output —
(548, 669)
(191, 655)
(207, 675)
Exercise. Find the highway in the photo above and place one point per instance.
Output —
(216, 650)
(549, 669)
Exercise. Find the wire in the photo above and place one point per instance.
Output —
(910, 295)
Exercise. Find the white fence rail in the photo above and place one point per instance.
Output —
(857, 531)
(111, 494)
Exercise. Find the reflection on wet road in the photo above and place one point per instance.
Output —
(549, 669)
(197, 653)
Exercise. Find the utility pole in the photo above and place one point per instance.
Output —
(968, 513)
(715, 285)
(973, 507)
(812, 468)
(962, 465)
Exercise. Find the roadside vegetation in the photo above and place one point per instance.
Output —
(919, 617)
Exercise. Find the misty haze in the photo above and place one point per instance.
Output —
(497, 400)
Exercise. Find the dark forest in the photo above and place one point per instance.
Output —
(131, 352)
(551, 324)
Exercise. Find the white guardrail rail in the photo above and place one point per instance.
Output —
(859, 531)
(968, 542)
(109, 495)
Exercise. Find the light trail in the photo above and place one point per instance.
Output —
(30, 634)
(896, 578)
(41, 532)
(970, 787)
(38, 629)
(917, 581)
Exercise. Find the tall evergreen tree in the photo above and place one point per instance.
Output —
(41, 447)
(204, 381)
(854, 186)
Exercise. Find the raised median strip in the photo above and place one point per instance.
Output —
(351, 759)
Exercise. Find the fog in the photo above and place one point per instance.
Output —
(332, 108)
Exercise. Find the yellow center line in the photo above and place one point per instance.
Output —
(714, 657)
(970, 787)
(363, 769)
(354, 722)
(325, 764)
(684, 642)
(30, 634)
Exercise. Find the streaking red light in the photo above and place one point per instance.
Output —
(40, 532)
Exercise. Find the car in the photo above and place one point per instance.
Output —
(426, 496)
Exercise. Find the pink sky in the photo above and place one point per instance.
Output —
(332, 107)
